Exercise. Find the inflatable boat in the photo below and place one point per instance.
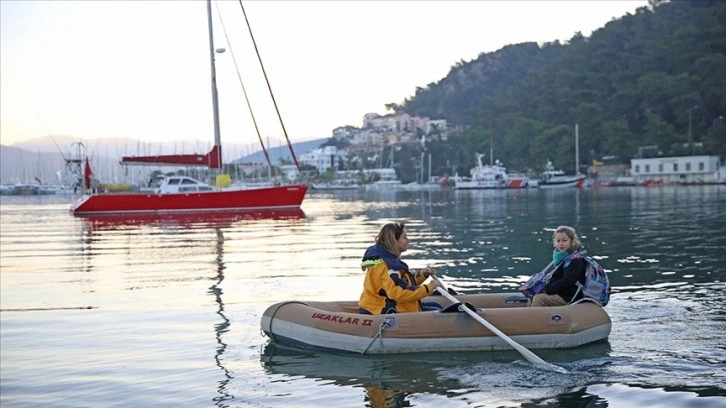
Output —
(337, 326)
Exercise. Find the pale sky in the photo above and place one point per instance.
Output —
(140, 69)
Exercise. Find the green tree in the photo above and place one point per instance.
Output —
(620, 141)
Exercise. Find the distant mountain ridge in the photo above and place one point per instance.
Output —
(282, 152)
(20, 165)
(117, 147)
(41, 158)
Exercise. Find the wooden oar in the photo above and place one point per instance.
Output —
(530, 356)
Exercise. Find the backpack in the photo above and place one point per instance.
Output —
(597, 285)
(536, 283)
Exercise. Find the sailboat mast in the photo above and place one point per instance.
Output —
(577, 150)
(422, 167)
(215, 102)
(429, 180)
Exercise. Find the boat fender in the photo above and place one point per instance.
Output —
(458, 308)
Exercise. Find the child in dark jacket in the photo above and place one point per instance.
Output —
(562, 287)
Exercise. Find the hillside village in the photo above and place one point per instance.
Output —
(377, 134)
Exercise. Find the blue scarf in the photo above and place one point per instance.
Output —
(559, 256)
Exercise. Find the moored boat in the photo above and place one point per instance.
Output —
(20, 188)
(492, 176)
(336, 326)
(558, 179)
(553, 178)
(185, 194)
(182, 194)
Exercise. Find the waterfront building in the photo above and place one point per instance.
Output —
(679, 170)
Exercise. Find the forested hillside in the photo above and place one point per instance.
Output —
(655, 78)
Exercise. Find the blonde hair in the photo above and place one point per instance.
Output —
(571, 233)
(389, 235)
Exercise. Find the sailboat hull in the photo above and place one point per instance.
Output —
(277, 197)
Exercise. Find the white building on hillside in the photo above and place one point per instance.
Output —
(345, 132)
(324, 158)
(402, 122)
(683, 169)
(390, 129)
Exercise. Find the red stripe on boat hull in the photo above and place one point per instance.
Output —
(228, 200)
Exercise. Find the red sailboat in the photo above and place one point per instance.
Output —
(183, 194)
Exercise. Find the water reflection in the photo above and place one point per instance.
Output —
(385, 377)
(396, 380)
(222, 327)
(185, 220)
(483, 379)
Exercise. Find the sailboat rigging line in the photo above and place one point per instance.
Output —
(244, 91)
(259, 58)
(51, 136)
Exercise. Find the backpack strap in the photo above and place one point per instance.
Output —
(575, 255)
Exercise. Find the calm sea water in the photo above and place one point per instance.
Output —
(165, 311)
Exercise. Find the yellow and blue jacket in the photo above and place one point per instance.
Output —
(389, 286)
